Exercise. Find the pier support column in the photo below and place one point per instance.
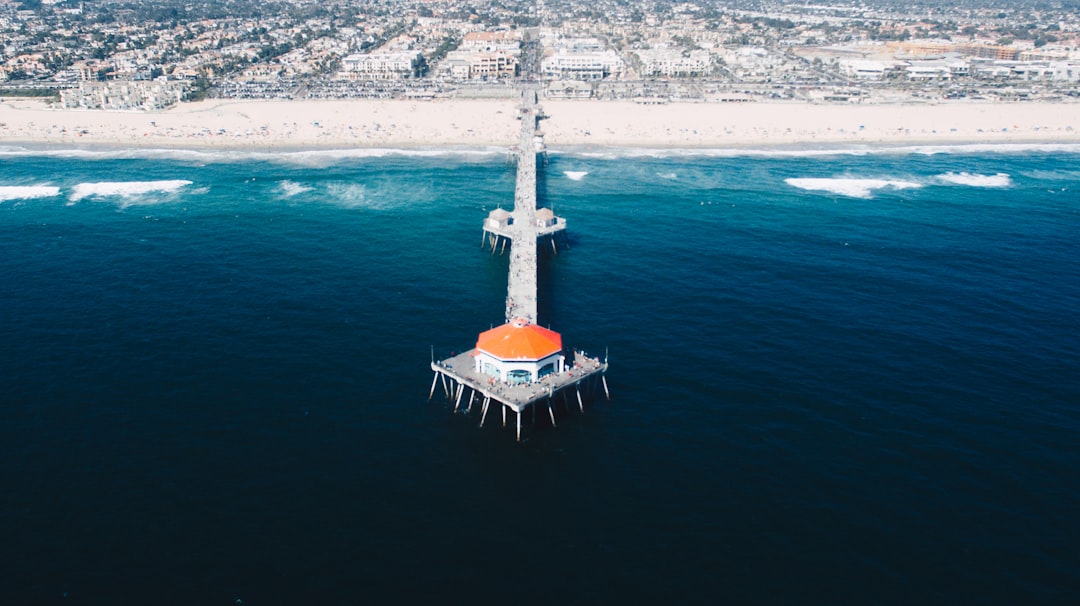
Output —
(434, 381)
(444, 388)
(579, 403)
(472, 394)
(519, 426)
(551, 412)
(553, 249)
(603, 380)
(457, 401)
(483, 414)
(504, 414)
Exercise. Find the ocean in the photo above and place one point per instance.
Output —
(839, 376)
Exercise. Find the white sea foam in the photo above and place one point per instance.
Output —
(800, 151)
(306, 158)
(998, 180)
(668, 176)
(292, 188)
(856, 188)
(27, 192)
(575, 175)
(132, 192)
(349, 195)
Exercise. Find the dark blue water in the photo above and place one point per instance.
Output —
(838, 392)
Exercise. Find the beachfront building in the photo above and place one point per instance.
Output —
(507, 41)
(585, 59)
(380, 66)
(569, 89)
(672, 62)
(866, 69)
(479, 65)
(1044, 71)
(118, 95)
(519, 352)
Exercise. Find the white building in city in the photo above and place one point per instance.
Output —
(673, 62)
(581, 59)
(380, 66)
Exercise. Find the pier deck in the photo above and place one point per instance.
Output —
(521, 279)
(522, 227)
(461, 370)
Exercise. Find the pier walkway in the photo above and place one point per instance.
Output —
(521, 279)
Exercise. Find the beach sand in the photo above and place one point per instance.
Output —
(473, 123)
(752, 124)
(267, 124)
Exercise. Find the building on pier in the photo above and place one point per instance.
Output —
(498, 219)
(519, 352)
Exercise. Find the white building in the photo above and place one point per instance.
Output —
(123, 95)
(379, 66)
(519, 352)
(581, 62)
(672, 62)
(505, 41)
(479, 65)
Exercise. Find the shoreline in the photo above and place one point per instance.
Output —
(801, 149)
(468, 126)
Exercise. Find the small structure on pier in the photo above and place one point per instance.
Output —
(499, 219)
(519, 352)
(545, 217)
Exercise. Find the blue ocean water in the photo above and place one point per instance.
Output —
(839, 377)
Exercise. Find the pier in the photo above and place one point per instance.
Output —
(526, 223)
(520, 365)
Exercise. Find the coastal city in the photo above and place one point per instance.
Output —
(153, 55)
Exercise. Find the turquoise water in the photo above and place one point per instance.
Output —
(839, 377)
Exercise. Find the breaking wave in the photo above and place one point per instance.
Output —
(800, 151)
(305, 158)
(289, 189)
(128, 190)
(349, 195)
(27, 192)
(856, 188)
(998, 180)
(575, 175)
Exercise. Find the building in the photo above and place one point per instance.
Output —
(476, 65)
(672, 62)
(519, 352)
(584, 66)
(506, 41)
(380, 66)
(146, 96)
(569, 89)
(545, 217)
(499, 218)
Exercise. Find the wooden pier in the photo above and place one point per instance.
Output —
(526, 224)
(520, 365)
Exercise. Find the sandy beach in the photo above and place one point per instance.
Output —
(472, 123)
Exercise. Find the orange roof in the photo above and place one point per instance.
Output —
(519, 340)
